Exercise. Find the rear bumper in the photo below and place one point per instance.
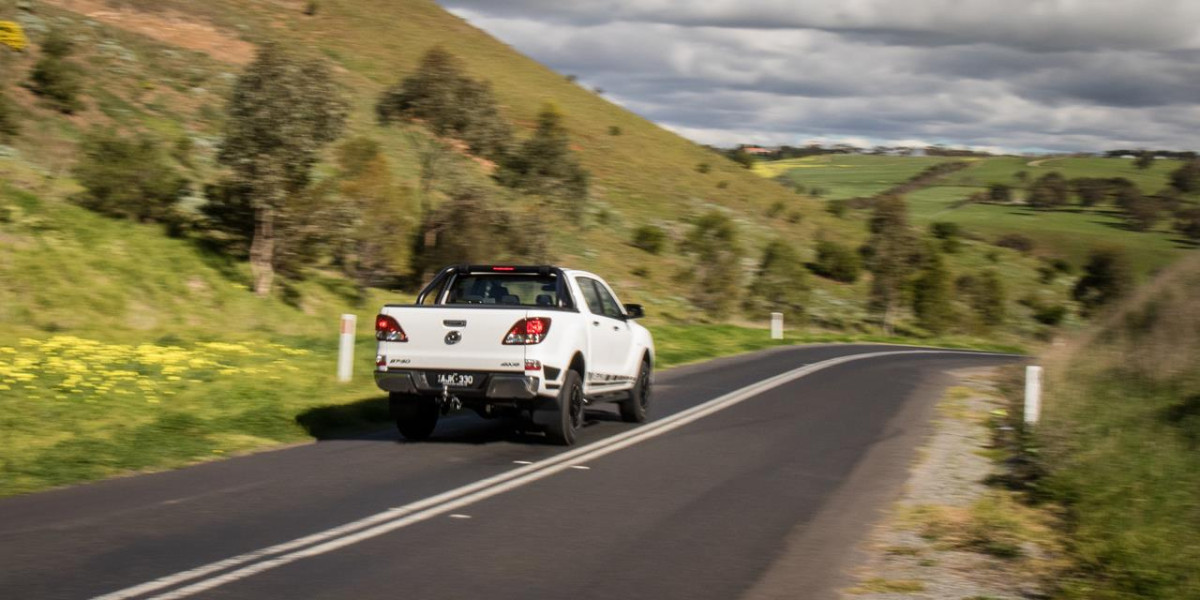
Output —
(492, 386)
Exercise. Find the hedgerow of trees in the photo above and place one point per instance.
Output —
(1049, 191)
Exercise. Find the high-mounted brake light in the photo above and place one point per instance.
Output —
(504, 268)
(527, 331)
(388, 330)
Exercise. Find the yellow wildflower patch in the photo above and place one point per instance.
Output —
(90, 368)
(13, 36)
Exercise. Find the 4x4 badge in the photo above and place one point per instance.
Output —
(453, 337)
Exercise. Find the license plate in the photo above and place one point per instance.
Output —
(456, 379)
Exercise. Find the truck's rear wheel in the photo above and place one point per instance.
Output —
(416, 417)
(636, 408)
(562, 428)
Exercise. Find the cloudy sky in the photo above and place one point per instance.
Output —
(1024, 75)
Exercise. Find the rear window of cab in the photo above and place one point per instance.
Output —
(513, 290)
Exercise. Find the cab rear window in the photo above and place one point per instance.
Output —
(513, 290)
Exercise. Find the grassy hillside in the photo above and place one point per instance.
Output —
(1119, 438)
(150, 74)
(1068, 233)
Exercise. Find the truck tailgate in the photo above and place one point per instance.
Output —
(466, 339)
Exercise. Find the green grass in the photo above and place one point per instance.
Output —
(1119, 440)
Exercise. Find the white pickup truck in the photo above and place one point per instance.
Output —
(539, 342)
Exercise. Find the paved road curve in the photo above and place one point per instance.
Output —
(729, 493)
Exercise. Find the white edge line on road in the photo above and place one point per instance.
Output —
(389, 520)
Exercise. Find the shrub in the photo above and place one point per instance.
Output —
(989, 300)
(1187, 222)
(463, 229)
(442, 96)
(127, 177)
(780, 284)
(9, 126)
(312, 8)
(1141, 212)
(545, 163)
(836, 208)
(57, 81)
(1090, 190)
(931, 297)
(650, 238)
(703, 168)
(613, 130)
(836, 262)
(999, 192)
(1107, 276)
(1187, 177)
(1049, 314)
(775, 209)
(715, 247)
(1016, 241)
(948, 233)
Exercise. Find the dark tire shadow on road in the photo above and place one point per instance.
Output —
(368, 420)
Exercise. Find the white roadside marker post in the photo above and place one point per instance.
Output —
(776, 326)
(345, 366)
(1033, 394)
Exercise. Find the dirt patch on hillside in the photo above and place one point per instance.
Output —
(171, 27)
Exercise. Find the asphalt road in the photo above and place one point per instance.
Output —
(725, 494)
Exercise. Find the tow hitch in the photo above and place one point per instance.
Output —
(448, 402)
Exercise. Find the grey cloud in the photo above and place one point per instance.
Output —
(1040, 24)
(1053, 76)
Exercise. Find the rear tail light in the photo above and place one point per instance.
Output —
(388, 330)
(528, 331)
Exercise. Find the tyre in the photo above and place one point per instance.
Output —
(637, 406)
(415, 416)
(561, 428)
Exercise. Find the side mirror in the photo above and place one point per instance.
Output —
(634, 311)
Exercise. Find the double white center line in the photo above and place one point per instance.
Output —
(212, 575)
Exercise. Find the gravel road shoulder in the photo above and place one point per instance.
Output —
(950, 535)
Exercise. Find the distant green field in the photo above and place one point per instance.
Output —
(848, 175)
(1070, 233)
